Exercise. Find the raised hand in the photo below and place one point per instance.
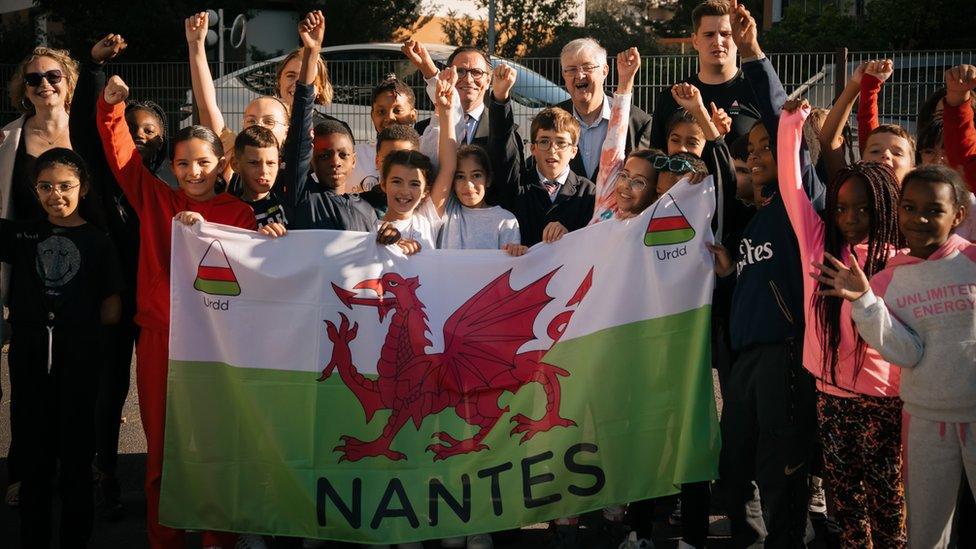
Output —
(960, 82)
(859, 73)
(196, 27)
(444, 92)
(882, 69)
(116, 90)
(687, 96)
(628, 63)
(745, 33)
(849, 283)
(108, 48)
(721, 119)
(419, 57)
(792, 105)
(312, 30)
(503, 82)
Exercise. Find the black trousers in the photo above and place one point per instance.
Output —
(768, 435)
(55, 430)
(113, 389)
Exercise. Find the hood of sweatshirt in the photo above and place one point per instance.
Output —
(954, 243)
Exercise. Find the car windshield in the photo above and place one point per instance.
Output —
(532, 89)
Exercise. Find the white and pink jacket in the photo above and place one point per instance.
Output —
(921, 315)
(876, 377)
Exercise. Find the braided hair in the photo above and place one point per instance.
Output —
(883, 235)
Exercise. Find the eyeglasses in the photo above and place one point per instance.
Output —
(584, 69)
(33, 79)
(46, 189)
(673, 165)
(476, 74)
(265, 122)
(636, 183)
(546, 144)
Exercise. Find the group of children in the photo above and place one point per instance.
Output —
(844, 330)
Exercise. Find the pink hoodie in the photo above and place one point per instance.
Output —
(876, 377)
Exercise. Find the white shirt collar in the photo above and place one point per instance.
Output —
(477, 111)
(604, 114)
(561, 178)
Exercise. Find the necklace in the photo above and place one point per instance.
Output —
(50, 142)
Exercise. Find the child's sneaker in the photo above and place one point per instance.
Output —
(818, 500)
(480, 541)
(13, 495)
(455, 543)
(632, 542)
(674, 519)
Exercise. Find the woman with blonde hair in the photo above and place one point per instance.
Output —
(41, 88)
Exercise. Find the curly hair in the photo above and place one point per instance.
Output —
(18, 88)
(323, 84)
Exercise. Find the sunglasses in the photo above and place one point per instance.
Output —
(673, 165)
(33, 79)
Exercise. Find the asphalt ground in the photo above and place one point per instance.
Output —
(130, 530)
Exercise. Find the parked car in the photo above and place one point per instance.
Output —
(354, 71)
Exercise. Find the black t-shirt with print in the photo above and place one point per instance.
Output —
(735, 96)
(60, 274)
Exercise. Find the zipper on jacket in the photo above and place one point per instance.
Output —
(781, 302)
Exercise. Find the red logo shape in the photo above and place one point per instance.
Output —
(479, 362)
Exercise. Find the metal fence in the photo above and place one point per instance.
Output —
(817, 76)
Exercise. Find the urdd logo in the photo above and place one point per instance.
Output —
(214, 274)
(668, 227)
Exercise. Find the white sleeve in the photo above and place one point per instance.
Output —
(509, 233)
(427, 210)
(365, 167)
(897, 343)
(432, 135)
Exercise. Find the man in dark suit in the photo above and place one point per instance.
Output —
(474, 78)
(584, 67)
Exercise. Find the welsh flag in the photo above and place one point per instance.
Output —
(323, 386)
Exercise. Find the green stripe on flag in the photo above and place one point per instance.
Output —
(250, 450)
(217, 287)
(666, 238)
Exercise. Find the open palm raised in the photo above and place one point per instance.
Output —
(849, 283)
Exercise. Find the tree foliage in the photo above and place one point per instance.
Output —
(521, 26)
(154, 28)
(357, 21)
(615, 25)
(886, 25)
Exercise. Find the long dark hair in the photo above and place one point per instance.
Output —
(883, 235)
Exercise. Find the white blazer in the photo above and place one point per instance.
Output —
(8, 155)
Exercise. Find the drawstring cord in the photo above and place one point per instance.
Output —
(50, 347)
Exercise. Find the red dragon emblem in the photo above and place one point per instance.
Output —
(479, 362)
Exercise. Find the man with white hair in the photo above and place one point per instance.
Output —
(585, 69)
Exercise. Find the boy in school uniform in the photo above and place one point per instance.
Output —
(547, 198)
